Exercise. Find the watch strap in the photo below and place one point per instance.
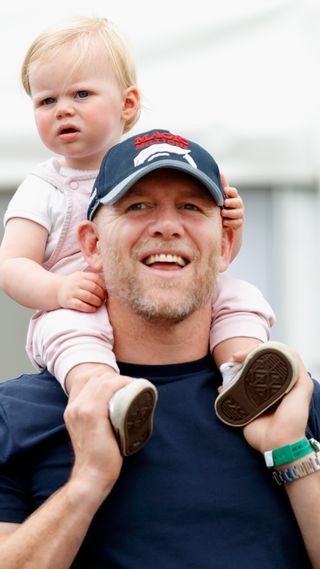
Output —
(308, 466)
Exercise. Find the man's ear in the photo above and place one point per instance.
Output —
(226, 248)
(131, 103)
(88, 237)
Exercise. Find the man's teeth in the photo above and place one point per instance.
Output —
(164, 258)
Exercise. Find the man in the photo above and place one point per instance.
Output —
(199, 494)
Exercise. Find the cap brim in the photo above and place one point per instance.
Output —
(121, 189)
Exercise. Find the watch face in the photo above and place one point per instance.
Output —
(315, 444)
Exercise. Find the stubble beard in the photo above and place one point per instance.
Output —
(145, 298)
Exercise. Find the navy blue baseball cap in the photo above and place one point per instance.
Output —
(125, 163)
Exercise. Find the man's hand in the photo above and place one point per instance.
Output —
(97, 457)
(82, 291)
(284, 425)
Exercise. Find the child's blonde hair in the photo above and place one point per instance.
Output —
(84, 35)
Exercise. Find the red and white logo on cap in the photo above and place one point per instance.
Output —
(156, 150)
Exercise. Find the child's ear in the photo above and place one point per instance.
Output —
(131, 103)
(89, 244)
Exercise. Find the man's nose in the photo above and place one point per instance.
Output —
(166, 224)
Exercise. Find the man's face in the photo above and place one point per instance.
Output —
(161, 246)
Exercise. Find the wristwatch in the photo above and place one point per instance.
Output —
(290, 453)
(299, 470)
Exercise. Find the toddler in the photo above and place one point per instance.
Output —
(82, 84)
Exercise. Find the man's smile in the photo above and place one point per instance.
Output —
(165, 258)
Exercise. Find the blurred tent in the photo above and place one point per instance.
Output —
(239, 76)
(242, 78)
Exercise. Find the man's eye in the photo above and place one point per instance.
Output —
(190, 206)
(82, 94)
(137, 206)
(48, 101)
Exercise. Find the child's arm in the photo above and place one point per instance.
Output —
(57, 347)
(24, 279)
(233, 214)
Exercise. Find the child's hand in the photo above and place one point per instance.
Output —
(233, 216)
(81, 291)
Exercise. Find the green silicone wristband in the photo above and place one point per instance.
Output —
(288, 453)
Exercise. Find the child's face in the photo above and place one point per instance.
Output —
(79, 115)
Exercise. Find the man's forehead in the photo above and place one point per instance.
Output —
(168, 180)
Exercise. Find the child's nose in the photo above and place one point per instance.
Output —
(64, 108)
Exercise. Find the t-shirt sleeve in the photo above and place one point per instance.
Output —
(32, 201)
(14, 502)
(13, 497)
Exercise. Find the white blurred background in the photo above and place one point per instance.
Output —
(241, 77)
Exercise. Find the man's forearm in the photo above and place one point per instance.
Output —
(304, 495)
(52, 536)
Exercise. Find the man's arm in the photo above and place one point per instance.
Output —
(285, 426)
(52, 536)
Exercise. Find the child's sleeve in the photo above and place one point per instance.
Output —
(32, 201)
(63, 338)
(239, 309)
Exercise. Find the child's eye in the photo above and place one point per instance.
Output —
(82, 94)
(48, 101)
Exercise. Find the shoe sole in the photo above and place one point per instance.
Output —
(134, 425)
(269, 372)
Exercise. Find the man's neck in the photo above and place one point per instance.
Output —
(139, 341)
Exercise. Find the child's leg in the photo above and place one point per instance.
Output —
(229, 356)
(241, 320)
(224, 352)
(61, 339)
(241, 323)
(76, 347)
(78, 376)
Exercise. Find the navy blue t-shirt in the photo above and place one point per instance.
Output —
(197, 496)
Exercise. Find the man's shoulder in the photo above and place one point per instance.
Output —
(31, 410)
(37, 386)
